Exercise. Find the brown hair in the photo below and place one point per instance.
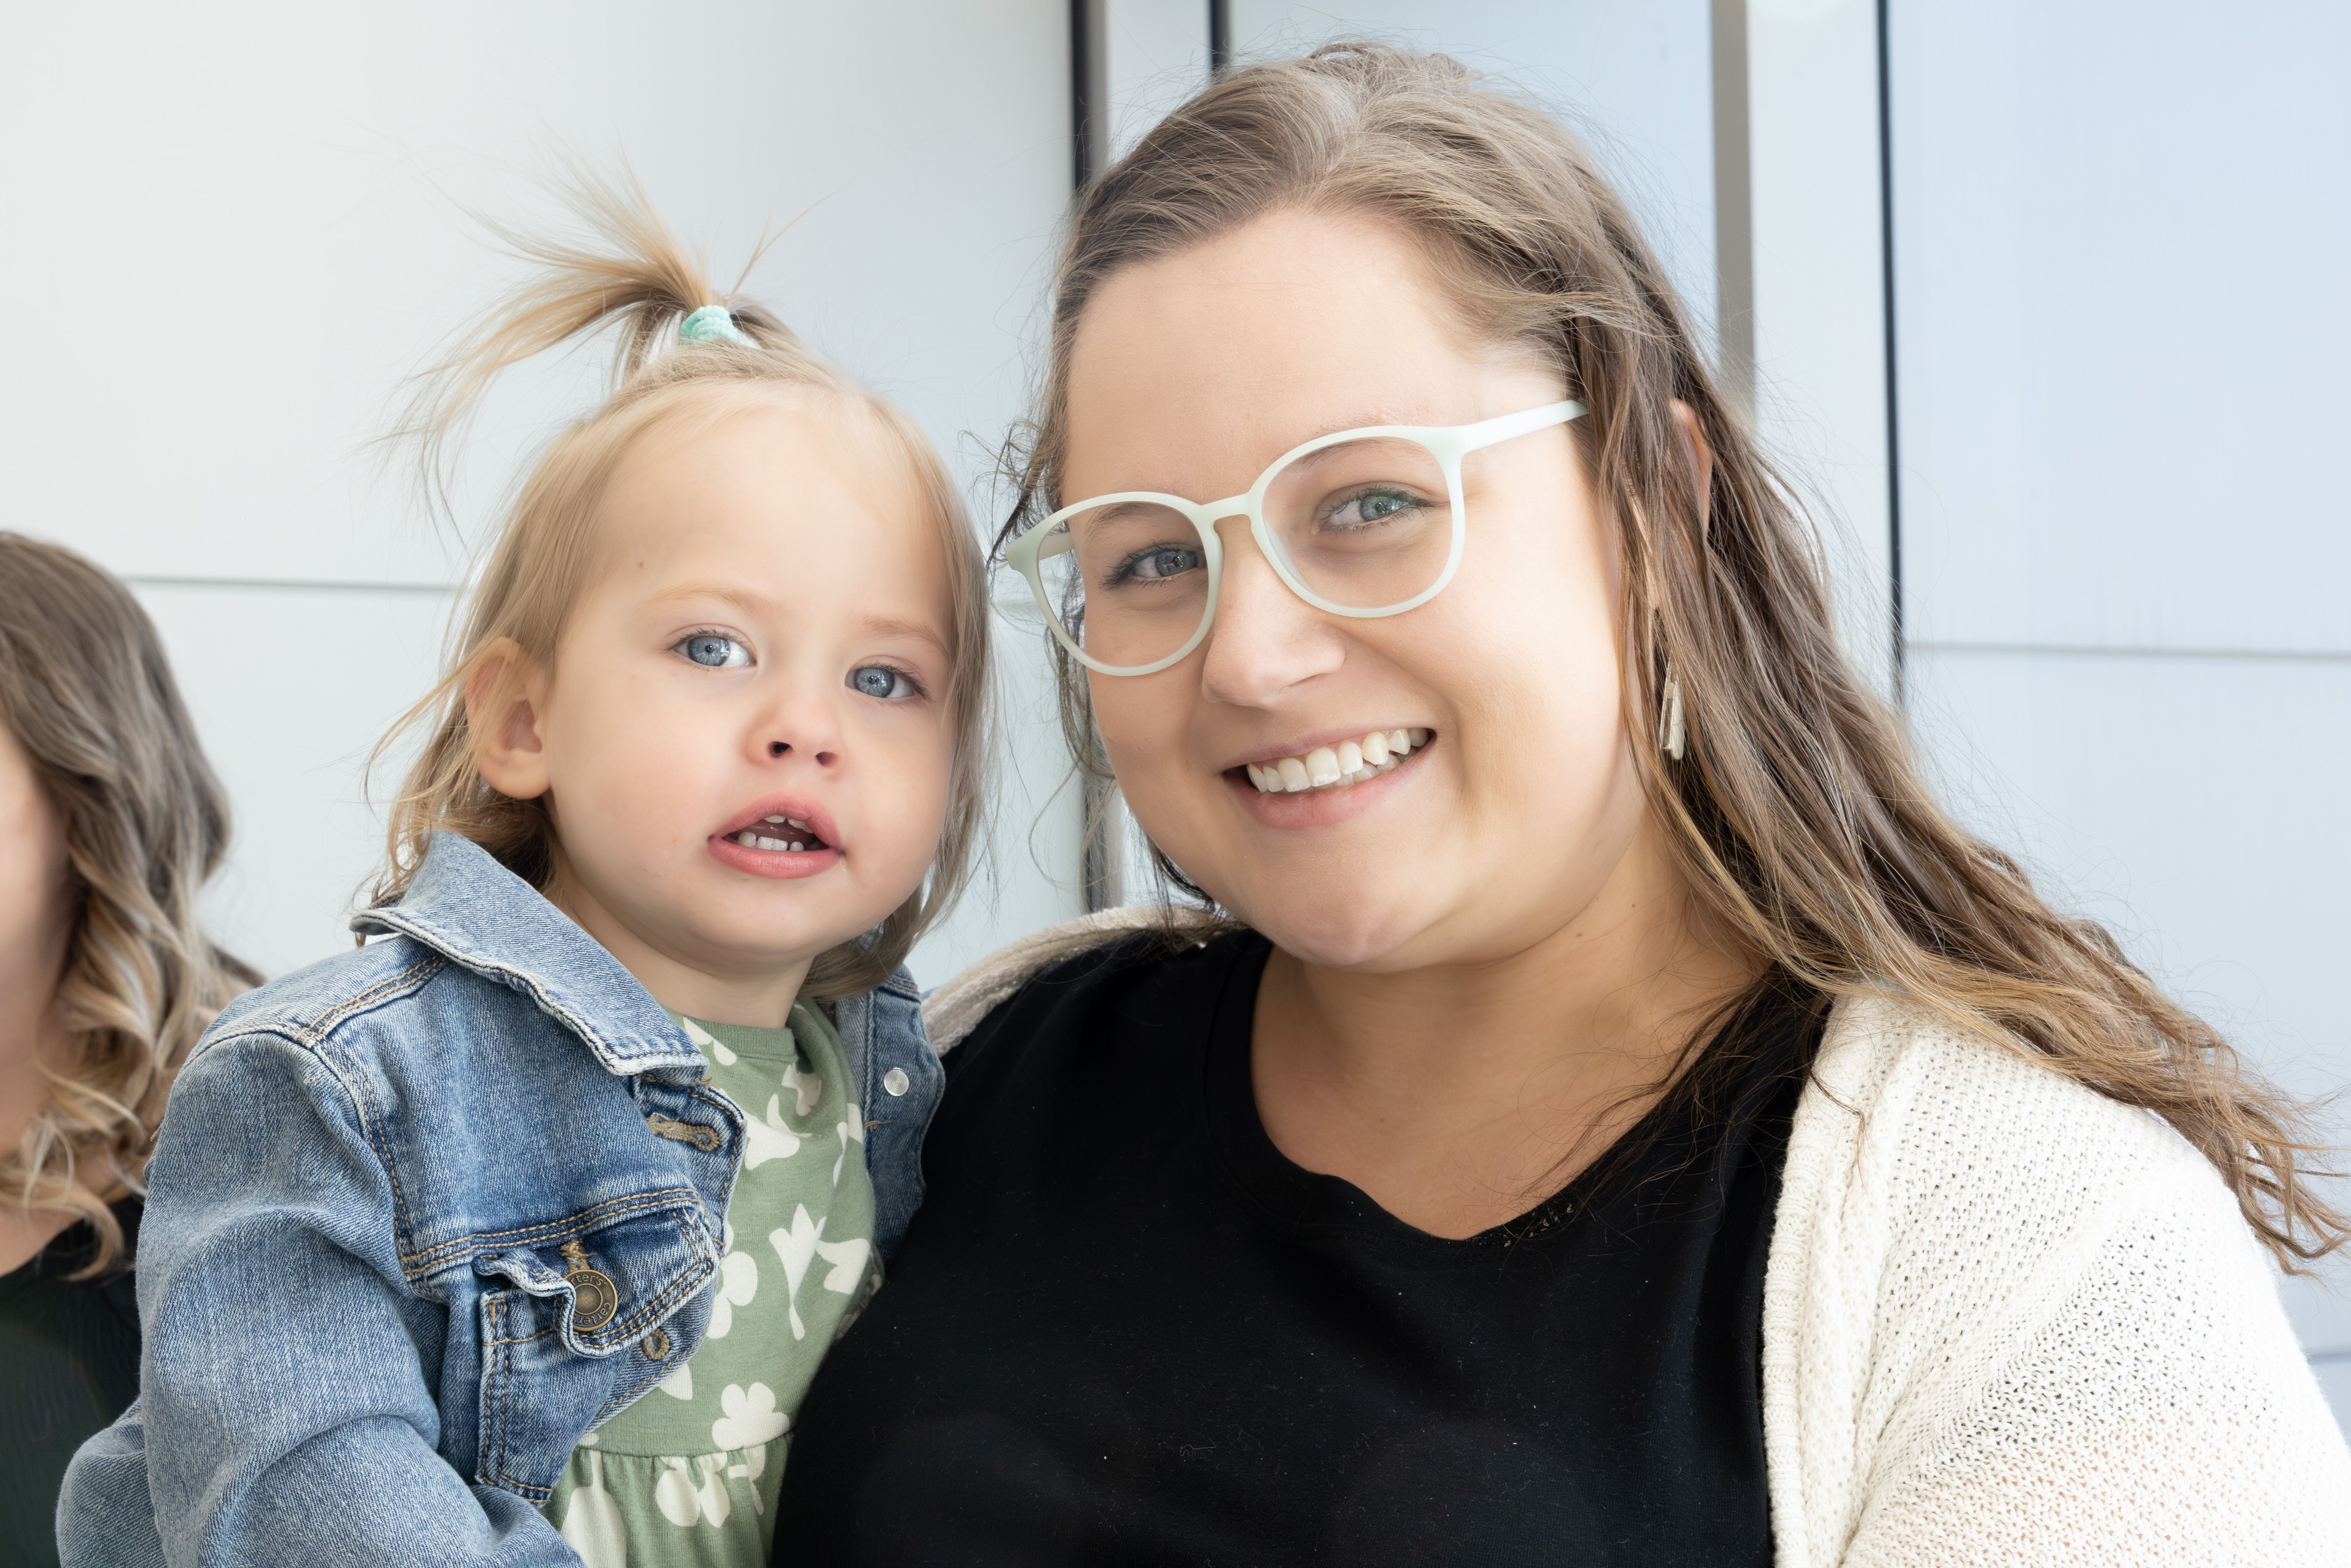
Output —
(635, 275)
(85, 691)
(1797, 814)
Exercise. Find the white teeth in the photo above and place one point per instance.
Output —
(1349, 762)
(748, 839)
(766, 843)
(794, 822)
(771, 819)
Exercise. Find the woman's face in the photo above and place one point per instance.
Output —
(1189, 375)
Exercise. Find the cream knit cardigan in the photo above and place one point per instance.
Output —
(2005, 1319)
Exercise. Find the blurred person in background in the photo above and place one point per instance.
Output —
(110, 822)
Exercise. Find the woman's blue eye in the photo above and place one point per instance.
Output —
(1157, 564)
(881, 681)
(714, 652)
(1371, 506)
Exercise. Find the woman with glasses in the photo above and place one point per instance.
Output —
(1595, 1105)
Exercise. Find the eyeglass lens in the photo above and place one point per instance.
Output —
(1365, 524)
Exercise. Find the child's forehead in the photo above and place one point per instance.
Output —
(814, 491)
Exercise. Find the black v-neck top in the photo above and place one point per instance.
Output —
(1125, 1329)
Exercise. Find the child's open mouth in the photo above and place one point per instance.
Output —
(788, 834)
(781, 837)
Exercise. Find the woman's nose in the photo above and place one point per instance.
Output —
(1266, 638)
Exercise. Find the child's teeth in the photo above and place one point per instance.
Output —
(773, 819)
(1349, 762)
(773, 844)
(793, 823)
(748, 839)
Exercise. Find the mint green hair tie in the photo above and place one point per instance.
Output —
(712, 324)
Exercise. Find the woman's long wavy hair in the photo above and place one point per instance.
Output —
(632, 273)
(86, 693)
(1797, 812)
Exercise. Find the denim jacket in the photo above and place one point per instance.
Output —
(367, 1334)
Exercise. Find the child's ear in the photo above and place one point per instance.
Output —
(502, 707)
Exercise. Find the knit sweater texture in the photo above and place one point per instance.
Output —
(2006, 1319)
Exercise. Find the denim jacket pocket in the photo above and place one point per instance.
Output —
(552, 1343)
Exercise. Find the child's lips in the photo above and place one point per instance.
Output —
(783, 836)
(781, 864)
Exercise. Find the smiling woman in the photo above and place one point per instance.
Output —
(1606, 1111)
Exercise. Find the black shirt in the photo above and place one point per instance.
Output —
(1125, 1329)
(69, 1366)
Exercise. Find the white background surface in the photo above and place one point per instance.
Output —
(2118, 242)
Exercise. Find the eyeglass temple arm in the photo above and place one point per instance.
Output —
(1509, 427)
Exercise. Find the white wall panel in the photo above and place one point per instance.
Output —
(2120, 228)
(290, 690)
(2193, 806)
(1633, 80)
(234, 236)
(1818, 263)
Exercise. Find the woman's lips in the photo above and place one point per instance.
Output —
(1328, 805)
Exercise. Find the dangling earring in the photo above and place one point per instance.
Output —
(1672, 738)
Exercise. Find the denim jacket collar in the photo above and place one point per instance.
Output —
(464, 905)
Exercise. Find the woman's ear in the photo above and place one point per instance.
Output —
(504, 697)
(1701, 460)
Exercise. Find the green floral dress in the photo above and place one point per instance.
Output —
(688, 1474)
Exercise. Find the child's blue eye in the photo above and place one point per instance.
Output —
(881, 681)
(715, 652)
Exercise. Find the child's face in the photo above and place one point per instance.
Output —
(762, 648)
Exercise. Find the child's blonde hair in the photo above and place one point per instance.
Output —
(637, 275)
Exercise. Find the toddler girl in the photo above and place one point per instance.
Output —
(526, 1223)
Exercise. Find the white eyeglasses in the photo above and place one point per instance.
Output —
(1363, 523)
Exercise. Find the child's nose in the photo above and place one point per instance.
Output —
(783, 748)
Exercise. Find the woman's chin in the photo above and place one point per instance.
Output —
(1363, 928)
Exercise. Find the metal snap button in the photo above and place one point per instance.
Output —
(656, 1345)
(594, 1297)
(895, 1081)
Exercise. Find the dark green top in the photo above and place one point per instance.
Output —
(69, 1366)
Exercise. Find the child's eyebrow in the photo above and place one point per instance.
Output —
(891, 626)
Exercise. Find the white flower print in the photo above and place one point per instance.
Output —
(796, 1247)
(739, 1281)
(848, 1261)
(768, 1140)
(711, 1043)
(807, 1086)
(851, 1130)
(679, 1384)
(592, 1525)
(681, 1502)
(751, 1417)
